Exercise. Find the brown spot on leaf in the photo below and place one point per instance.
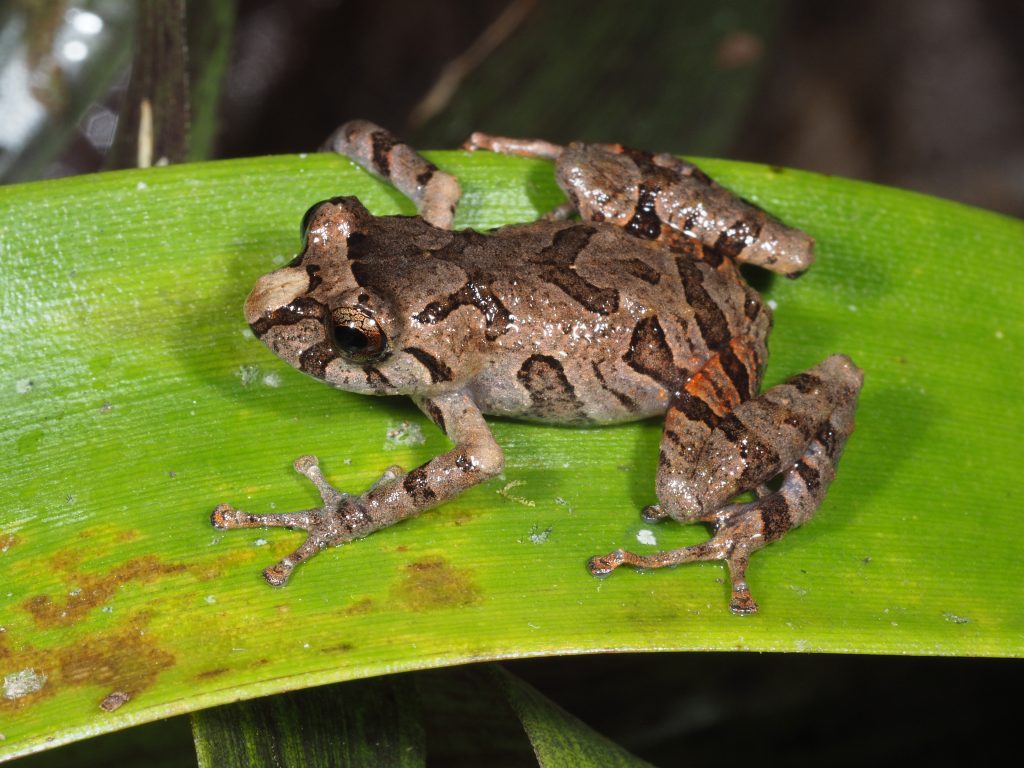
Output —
(124, 663)
(434, 583)
(338, 648)
(360, 607)
(207, 674)
(93, 589)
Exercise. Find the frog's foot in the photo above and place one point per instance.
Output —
(341, 519)
(733, 542)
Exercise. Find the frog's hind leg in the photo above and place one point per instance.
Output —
(798, 428)
(435, 193)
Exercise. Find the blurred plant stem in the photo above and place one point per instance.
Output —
(170, 108)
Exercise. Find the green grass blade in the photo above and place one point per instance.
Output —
(134, 400)
(366, 722)
(558, 738)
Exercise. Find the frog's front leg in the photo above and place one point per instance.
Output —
(395, 497)
(709, 455)
(435, 193)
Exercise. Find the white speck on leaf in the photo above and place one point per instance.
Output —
(538, 535)
(773, 304)
(141, 186)
(645, 536)
(23, 683)
(247, 374)
(403, 434)
(260, 543)
(272, 379)
(210, 599)
(23, 386)
(505, 492)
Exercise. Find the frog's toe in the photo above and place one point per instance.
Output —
(742, 602)
(277, 575)
(223, 516)
(602, 565)
(653, 513)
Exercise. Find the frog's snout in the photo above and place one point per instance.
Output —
(273, 291)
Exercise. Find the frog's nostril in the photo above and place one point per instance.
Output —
(274, 291)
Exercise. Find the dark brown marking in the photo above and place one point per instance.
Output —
(645, 223)
(298, 310)
(673, 437)
(315, 359)
(714, 327)
(437, 369)
(644, 160)
(642, 271)
(737, 373)
(827, 438)
(695, 409)
(417, 485)
(762, 461)
(737, 237)
(436, 415)
(734, 430)
(805, 383)
(775, 517)
(424, 178)
(627, 402)
(476, 294)
(377, 380)
(465, 463)
(650, 354)
(558, 267)
(810, 477)
(550, 391)
(313, 270)
(383, 142)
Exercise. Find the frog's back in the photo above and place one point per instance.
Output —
(593, 325)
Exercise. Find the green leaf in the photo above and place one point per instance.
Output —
(134, 400)
(366, 722)
(558, 738)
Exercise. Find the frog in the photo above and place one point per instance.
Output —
(624, 303)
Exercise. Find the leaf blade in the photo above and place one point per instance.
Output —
(135, 402)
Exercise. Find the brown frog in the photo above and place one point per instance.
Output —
(637, 309)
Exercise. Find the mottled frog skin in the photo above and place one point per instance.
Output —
(637, 309)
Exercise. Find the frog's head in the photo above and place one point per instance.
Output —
(333, 312)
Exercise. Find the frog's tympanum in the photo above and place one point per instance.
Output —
(637, 309)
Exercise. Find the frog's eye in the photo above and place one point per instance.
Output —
(357, 336)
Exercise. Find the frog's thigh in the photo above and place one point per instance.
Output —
(380, 152)
(713, 450)
(741, 529)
